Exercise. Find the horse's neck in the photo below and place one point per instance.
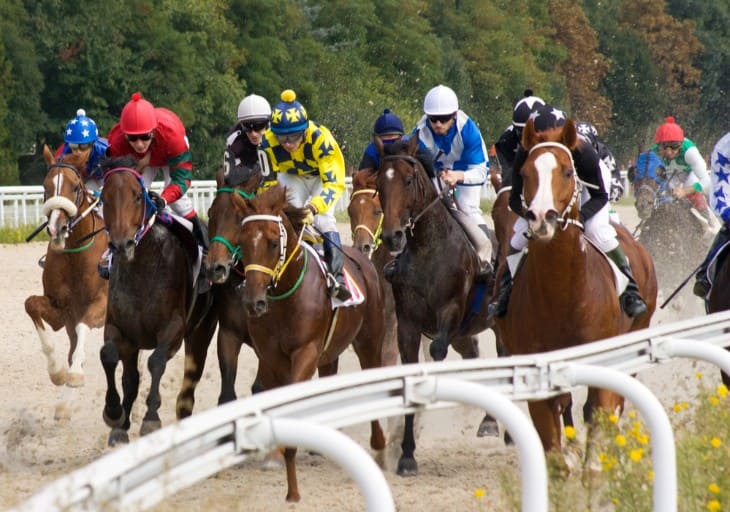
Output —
(436, 223)
(562, 259)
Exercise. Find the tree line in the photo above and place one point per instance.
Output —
(623, 65)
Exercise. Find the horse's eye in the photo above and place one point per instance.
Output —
(378, 212)
(274, 243)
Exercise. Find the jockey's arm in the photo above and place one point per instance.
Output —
(331, 172)
(699, 178)
(181, 172)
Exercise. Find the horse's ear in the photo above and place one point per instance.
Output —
(529, 135)
(413, 144)
(220, 180)
(569, 135)
(378, 145)
(48, 156)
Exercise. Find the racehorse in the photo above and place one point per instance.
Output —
(223, 263)
(670, 229)
(74, 296)
(153, 303)
(564, 293)
(292, 324)
(433, 288)
(719, 296)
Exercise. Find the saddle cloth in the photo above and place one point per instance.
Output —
(620, 280)
(356, 295)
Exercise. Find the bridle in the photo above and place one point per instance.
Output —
(234, 251)
(149, 213)
(378, 230)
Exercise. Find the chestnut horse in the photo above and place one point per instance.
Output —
(290, 317)
(74, 296)
(433, 288)
(153, 303)
(564, 293)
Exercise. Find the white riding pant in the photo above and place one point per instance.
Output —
(468, 199)
(183, 206)
(299, 189)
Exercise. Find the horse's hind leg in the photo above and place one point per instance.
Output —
(196, 352)
(156, 365)
(39, 309)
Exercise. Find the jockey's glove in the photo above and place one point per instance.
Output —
(157, 200)
(311, 211)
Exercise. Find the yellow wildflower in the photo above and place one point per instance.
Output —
(714, 400)
(714, 506)
(479, 493)
(632, 415)
(715, 442)
(642, 439)
(613, 418)
(620, 440)
(636, 454)
(677, 408)
(650, 475)
(722, 390)
(714, 488)
(698, 375)
(569, 432)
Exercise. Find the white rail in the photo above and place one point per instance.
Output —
(156, 466)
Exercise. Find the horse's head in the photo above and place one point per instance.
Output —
(648, 179)
(550, 182)
(126, 206)
(366, 215)
(224, 223)
(64, 193)
(266, 238)
(404, 188)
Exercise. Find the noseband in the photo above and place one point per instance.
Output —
(65, 204)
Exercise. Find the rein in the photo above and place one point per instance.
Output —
(283, 262)
(378, 230)
(578, 185)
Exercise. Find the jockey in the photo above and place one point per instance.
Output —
(144, 130)
(389, 128)
(243, 140)
(308, 161)
(589, 132)
(459, 157)
(81, 135)
(686, 169)
(511, 139)
(594, 214)
(720, 198)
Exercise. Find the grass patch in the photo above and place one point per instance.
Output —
(10, 235)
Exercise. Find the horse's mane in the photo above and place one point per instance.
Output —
(118, 161)
(274, 200)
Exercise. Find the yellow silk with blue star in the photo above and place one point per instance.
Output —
(319, 154)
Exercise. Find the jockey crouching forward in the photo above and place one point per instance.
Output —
(158, 132)
(594, 214)
(309, 163)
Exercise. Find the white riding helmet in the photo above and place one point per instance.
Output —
(254, 107)
(440, 101)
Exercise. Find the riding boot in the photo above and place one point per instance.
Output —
(105, 264)
(702, 283)
(200, 233)
(485, 267)
(498, 308)
(631, 302)
(334, 256)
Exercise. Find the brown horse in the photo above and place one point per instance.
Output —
(74, 296)
(719, 297)
(434, 287)
(292, 324)
(564, 294)
(223, 263)
(153, 303)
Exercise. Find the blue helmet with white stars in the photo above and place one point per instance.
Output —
(81, 129)
(288, 116)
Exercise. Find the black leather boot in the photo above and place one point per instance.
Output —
(702, 283)
(335, 261)
(498, 308)
(631, 302)
(485, 267)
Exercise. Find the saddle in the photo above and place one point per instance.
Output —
(356, 295)
(479, 240)
(183, 230)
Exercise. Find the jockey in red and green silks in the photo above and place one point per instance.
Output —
(686, 169)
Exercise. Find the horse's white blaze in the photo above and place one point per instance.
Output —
(389, 173)
(59, 184)
(53, 223)
(544, 200)
(257, 237)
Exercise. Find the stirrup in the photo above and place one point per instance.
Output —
(701, 287)
(42, 261)
(633, 305)
(336, 289)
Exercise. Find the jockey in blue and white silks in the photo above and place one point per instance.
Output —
(720, 203)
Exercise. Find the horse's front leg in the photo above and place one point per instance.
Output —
(229, 349)
(448, 320)
(77, 354)
(113, 413)
(156, 365)
(40, 311)
(409, 344)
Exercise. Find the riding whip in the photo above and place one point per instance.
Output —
(681, 285)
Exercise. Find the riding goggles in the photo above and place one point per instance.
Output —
(441, 119)
(256, 126)
(291, 138)
(79, 147)
(674, 146)
(141, 136)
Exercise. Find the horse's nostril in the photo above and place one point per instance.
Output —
(531, 215)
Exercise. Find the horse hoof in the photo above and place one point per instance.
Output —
(438, 351)
(118, 436)
(488, 428)
(407, 467)
(75, 380)
(273, 460)
(58, 378)
(63, 412)
(114, 423)
(149, 426)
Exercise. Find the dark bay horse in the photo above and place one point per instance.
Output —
(670, 229)
(564, 293)
(223, 263)
(719, 297)
(74, 296)
(153, 303)
(433, 288)
(292, 324)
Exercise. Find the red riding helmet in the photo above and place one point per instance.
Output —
(138, 116)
